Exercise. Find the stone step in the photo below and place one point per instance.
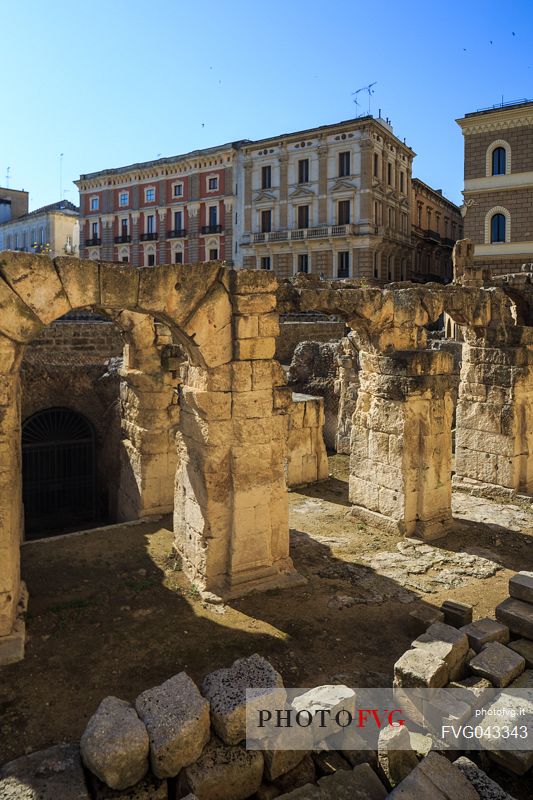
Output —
(498, 664)
(521, 586)
(517, 615)
(524, 648)
(483, 631)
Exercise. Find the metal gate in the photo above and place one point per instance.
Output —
(58, 472)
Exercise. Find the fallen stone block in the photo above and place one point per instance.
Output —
(352, 747)
(284, 749)
(509, 708)
(149, 788)
(55, 773)
(517, 615)
(422, 617)
(434, 778)
(521, 586)
(395, 754)
(446, 643)
(483, 631)
(418, 668)
(226, 691)
(329, 761)
(224, 773)
(177, 719)
(302, 774)
(486, 788)
(307, 792)
(473, 690)
(456, 614)
(524, 648)
(524, 681)
(361, 783)
(498, 664)
(267, 791)
(115, 744)
(279, 762)
(324, 703)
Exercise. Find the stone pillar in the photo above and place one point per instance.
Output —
(401, 450)
(323, 184)
(283, 191)
(11, 513)
(347, 388)
(494, 434)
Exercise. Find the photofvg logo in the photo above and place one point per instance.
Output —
(338, 717)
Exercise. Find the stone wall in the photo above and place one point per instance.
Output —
(313, 371)
(101, 340)
(294, 330)
(307, 460)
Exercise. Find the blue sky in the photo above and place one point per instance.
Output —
(112, 82)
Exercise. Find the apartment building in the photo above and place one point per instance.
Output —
(53, 229)
(172, 210)
(498, 184)
(13, 204)
(333, 200)
(436, 224)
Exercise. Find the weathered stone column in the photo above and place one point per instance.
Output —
(400, 465)
(494, 438)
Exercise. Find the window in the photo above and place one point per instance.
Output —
(178, 190)
(391, 268)
(266, 221)
(95, 203)
(344, 164)
(41, 232)
(343, 264)
(150, 224)
(213, 216)
(376, 265)
(498, 161)
(497, 228)
(149, 195)
(178, 220)
(303, 216)
(151, 259)
(124, 227)
(123, 198)
(343, 212)
(376, 165)
(391, 218)
(428, 217)
(303, 262)
(212, 184)
(125, 259)
(94, 231)
(265, 262)
(213, 254)
(389, 174)
(16, 241)
(419, 216)
(266, 177)
(178, 257)
(303, 170)
(402, 182)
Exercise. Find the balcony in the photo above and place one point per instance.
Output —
(148, 237)
(178, 233)
(211, 228)
(447, 242)
(320, 232)
(93, 242)
(122, 239)
(429, 234)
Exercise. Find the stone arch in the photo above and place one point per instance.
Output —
(232, 524)
(488, 218)
(490, 149)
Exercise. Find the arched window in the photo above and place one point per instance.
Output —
(497, 228)
(498, 161)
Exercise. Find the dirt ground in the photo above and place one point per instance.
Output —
(111, 613)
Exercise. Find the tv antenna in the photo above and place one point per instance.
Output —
(370, 91)
(61, 176)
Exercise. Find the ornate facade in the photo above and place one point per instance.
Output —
(436, 224)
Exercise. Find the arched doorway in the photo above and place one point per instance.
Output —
(59, 472)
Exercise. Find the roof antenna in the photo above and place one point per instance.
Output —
(370, 91)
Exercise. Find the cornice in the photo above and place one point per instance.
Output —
(504, 121)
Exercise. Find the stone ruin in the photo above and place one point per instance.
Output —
(208, 438)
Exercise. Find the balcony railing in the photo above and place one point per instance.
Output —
(123, 239)
(320, 232)
(211, 228)
(95, 242)
(447, 242)
(148, 237)
(177, 233)
(429, 234)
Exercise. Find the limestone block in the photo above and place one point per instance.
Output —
(486, 788)
(498, 664)
(254, 430)
(361, 783)
(149, 788)
(210, 405)
(303, 774)
(246, 327)
(524, 648)
(328, 762)
(306, 792)
(177, 719)
(446, 643)
(248, 281)
(17, 320)
(423, 616)
(253, 404)
(282, 397)
(34, 279)
(241, 376)
(456, 614)
(210, 328)
(483, 631)
(517, 615)
(176, 290)
(115, 745)
(80, 279)
(53, 773)
(418, 667)
(524, 681)
(279, 759)
(395, 754)
(263, 374)
(224, 773)
(521, 586)
(226, 691)
(323, 703)
(119, 285)
(260, 348)
(435, 778)
(502, 708)
(269, 325)
(254, 303)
